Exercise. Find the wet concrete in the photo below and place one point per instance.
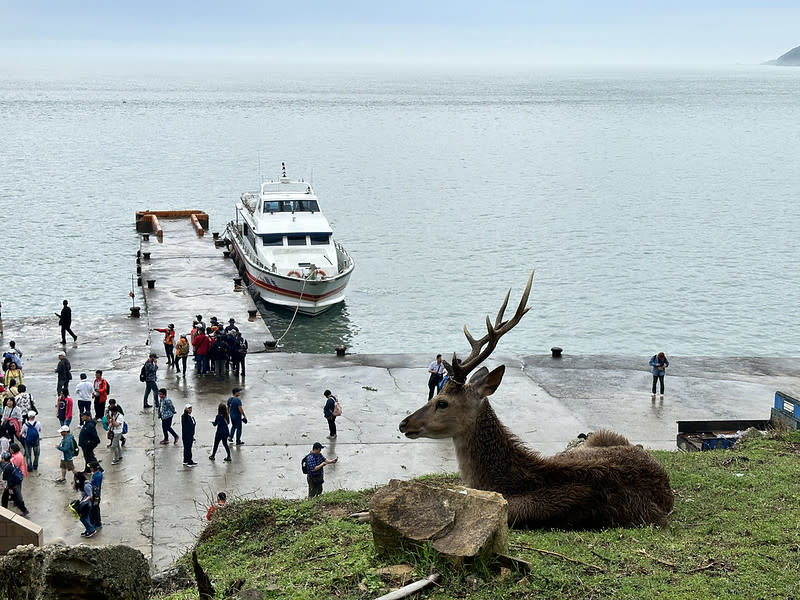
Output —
(154, 503)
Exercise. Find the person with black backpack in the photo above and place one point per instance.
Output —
(13, 478)
(312, 465)
(31, 434)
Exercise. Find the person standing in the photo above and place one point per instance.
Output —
(659, 364)
(202, 344)
(100, 389)
(13, 478)
(85, 504)
(222, 500)
(24, 400)
(31, 435)
(188, 426)
(315, 464)
(116, 425)
(64, 409)
(97, 485)
(64, 372)
(18, 458)
(150, 369)
(330, 411)
(88, 439)
(238, 417)
(65, 320)
(84, 390)
(222, 433)
(167, 412)
(169, 342)
(239, 354)
(68, 447)
(181, 354)
(13, 373)
(436, 370)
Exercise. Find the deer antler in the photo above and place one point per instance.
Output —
(459, 369)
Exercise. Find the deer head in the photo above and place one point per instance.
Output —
(453, 411)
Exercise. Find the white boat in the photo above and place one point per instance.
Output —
(285, 247)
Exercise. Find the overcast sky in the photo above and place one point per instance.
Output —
(702, 32)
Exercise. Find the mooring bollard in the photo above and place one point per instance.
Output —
(151, 283)
(270, 344)
(146, 255)
(252, 313)
(226, 254)
(138, 253)
(219, 243)
(340, 350)
(556, 351)
(216, 235)
(135, 311)
(146, 237)
(237, 281)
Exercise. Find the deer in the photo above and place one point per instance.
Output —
(606, 482)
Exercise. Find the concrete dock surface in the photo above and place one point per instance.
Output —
(154, 503)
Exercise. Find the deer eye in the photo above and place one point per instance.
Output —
(441, 404)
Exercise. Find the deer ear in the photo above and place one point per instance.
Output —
(486, 383)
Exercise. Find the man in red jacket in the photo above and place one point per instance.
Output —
(201, 344)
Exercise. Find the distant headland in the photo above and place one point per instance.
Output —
(790, 59)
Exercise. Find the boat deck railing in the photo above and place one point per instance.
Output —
(251, 255)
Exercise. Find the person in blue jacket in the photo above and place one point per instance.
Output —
(659, 364)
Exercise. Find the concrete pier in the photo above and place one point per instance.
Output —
(154, 503)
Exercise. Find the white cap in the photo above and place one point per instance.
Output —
(187, 406)
(31, 413)
(63, 428)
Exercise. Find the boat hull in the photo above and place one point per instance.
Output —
(307, 296)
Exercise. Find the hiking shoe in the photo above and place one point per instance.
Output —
(230, 440)
(88, 534)
(239, 443)
(162, 442)
(114, 462)
(191, 464)
(227, 459)
(26, 513)
(177, 439)
(60, 480)
(211, 457)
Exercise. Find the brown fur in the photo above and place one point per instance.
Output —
(606, 483)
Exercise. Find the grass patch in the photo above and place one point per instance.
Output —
(734, 533)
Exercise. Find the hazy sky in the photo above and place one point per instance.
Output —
(466, 31)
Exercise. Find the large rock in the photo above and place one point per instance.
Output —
(459, 522)
(74, 572)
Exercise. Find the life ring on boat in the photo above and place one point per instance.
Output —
(320, 272)
(294, 274)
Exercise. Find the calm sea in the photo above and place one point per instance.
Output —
(659, 207)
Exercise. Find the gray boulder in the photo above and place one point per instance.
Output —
(459, 522)
(74, 572)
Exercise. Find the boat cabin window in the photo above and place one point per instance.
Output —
(296, 240)
(273, 206)
(272, 239)
(320, 239)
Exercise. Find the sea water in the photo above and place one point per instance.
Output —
(658, 207)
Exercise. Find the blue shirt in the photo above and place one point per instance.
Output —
(655, 363)
(312, 460)
(234, 403)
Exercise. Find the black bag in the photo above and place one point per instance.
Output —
(304, 465)
(142, 376)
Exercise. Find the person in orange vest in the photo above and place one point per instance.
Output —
(169, 342)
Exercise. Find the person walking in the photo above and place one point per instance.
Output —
(150, 373)
(68, 448)
(236, 411)
(64, 409)
(13, 489)
(64, 373)
(315, 464)
(101, 389)
(18, 458)
(658, 365)
(188, 426)
(181, 355)
(88, 439)
(31, 435)
(65, 320)
(84, 507)
(436, 370)
(97, 485)
(169, 342)
(117, 426)
(222, 433)
(167, 412)
(84, 391)
(331, 410)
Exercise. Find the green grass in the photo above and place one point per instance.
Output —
(734, 533)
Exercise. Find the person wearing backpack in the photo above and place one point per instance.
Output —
(68, 448)
(31, 435)
(88, 439)
(13, 478)
(331, 410)
(149, 375)
(313, 465)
